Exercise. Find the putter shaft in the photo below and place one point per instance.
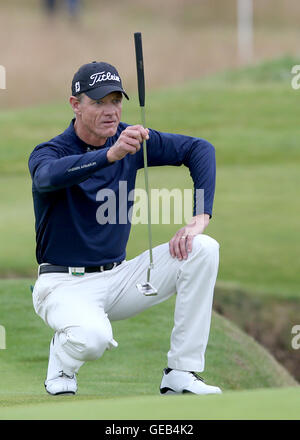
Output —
(148, 195)
(146, 288)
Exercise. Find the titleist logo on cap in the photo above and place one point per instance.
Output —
(97, 80)
(103, 76)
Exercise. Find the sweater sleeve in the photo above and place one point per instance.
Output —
(198, 155)
(51, 172)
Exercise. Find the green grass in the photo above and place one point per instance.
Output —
(271, 404)
(251, 117)
(234, 361)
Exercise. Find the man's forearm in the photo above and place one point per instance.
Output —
(68, 171)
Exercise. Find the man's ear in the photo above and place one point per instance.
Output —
(75, 104)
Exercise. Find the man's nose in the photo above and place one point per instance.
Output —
(109, 109)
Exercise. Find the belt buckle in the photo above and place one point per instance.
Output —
(77, 271)
(102, 268)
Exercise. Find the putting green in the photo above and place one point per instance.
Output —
(261, 404)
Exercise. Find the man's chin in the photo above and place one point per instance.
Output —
(107, 132)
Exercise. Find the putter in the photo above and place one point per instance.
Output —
(145, 288)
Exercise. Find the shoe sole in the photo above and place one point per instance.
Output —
(166, 390)
(62, 393)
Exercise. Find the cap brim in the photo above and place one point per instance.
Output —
(102, 91)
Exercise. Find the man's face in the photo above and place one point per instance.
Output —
(99, 119)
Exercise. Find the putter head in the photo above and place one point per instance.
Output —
(147, 289)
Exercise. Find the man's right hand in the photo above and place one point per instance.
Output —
(129, 142)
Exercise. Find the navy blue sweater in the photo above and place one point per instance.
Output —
(67, 178)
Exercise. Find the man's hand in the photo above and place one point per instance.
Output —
(181, 244)
(129, 142)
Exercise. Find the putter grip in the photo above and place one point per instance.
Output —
(140, 67)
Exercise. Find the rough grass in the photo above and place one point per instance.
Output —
(269, 319)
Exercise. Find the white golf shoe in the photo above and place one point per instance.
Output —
(180, 382)
(57, 382)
